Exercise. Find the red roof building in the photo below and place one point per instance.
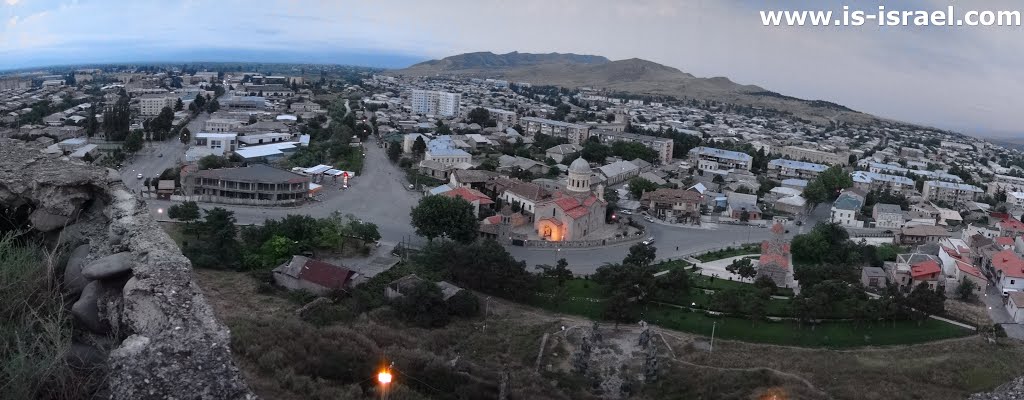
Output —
(925, 271)
(314, 275)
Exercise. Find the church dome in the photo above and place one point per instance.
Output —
(580, 166)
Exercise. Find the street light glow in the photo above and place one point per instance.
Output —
(159, 211)
(384, 377)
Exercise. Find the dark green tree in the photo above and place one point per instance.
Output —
(638, 185)
(424, 306)
(441, 216)
(187, 211)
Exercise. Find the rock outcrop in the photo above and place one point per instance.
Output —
(136, 286)
(1013, 390)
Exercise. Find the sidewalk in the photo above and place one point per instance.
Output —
(702, 226)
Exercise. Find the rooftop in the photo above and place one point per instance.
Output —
(713, 152)
(806, 166)
(254, 173)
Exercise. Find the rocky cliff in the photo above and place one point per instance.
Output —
(135, 306)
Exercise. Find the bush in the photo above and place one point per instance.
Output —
(464, 304)
(424, 306)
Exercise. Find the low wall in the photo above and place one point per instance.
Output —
(544, 244)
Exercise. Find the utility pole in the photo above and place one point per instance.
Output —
(712, 346)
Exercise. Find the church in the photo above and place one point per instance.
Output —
(572, 213)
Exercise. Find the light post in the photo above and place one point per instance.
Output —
(384, 378)
(712, 346)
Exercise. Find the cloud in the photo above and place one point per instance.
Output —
(11, 2)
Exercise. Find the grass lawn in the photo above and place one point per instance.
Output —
(729, 252)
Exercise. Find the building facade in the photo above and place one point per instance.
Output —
(814, 156)
(712, 159)
(781, 168)
(435, 102)
(152, 104)
(575, 133)
(950, 192)
(258, 184)
(663, 146)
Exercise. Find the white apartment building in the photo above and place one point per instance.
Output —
(443, 150)
(1015, 198)
(219, 143)
(152, 104)
(781, 168)
(887, 216)
(575, 133)
(661, 145)
(869, 181)
(435, 102)
(814, 156)
(845, 210)
(222, 125)
(304, 107)
(1005, 183)
(950, 192)
(712, 159)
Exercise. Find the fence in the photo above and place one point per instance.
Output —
(544, 244)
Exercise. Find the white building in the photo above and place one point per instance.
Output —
(950, 192)
(508, 118)
(781, 168)
(435, 102)
(663, 146)
(887, 216)
(815, 156)
(222, 125)
(575, 133)
(712, 159)
(442, 149)
(1005, 183)
(845, 210)
(1015, 198)
(152, 104)
(869, 181)
(219, 143)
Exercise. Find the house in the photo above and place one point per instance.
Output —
(303, 273)
(921, 234)
(558, 153)
(516, 192)
(164, 189)
(846, 208)
(1015, 306)
(399, 287)
(887, 216)
(619, 171)
(928, 272)
(872, 277)
(471, 178)
(515, 163)
(435, 169)
(1010, 226)
(1007, 268)
(712, 159)
(673, 205)
(900, 272)
(740, 203)
(474, 197)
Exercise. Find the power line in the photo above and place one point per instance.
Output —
(417, 380)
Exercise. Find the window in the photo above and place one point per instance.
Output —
(1012, 281)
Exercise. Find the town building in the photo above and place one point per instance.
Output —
(846, 208)
(315, 276)
(673, 205)
(950, 192)
(1005, 183)
(433, 102)
(222, 125)
(618, 172)
(814, 156)
(712, 159)
(574, 133)
(152, 104)
(258, 184)
(504, 118)
(868, 181)
(220, 144)
(781, 168)
(442, 149)
(887, 216)
(776, 261)
(873, 277)
(243, 102)
(663, 146)
(921, 234)
(572, 213)
(558, 153)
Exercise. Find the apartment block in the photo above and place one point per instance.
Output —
(152, 104)
(1005, 183)
(434, 102)
(506, 117)
(869, 181)
(814, 156)
(709, 158)
(661, 145)
(785, 169)
(575, 133)
(950, 192)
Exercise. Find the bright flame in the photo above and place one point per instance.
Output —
(384, 377)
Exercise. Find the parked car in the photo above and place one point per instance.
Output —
(649, 241)
(139, 176)
(625, 212)
(649, 219)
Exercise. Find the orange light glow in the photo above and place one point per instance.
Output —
(384, 377)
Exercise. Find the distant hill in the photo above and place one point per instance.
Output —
(1009, 143)
(633, 75)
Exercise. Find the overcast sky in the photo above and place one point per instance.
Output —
(967, 79)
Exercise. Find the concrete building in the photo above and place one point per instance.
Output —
(435, 102)
(619, 171)
(712, 159)
(950, 192)
(318, 277)
(781, 168)
(661, 145)
(871, 181)
(814, 156)
(222, 125)
(442, 149)
(673, 205)
(243, 102)
(504, 117)
(152, 104)
(846, 208)
(887, 216)
(221, 143)
(1005, 183)
(257, 184)
(575, 133)
(558, 153)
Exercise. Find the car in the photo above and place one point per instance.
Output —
(626, 212)
(649, 241)
(139, 176)
(798, 223)
(411, 186)
(161, 155)
(649, 219)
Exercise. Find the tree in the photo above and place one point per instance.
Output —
(675, 282)
(640, 255)
(133, 142)
(441, 216)
(464, 304)
(213, 106)
(394, 152)
(185, 136)
(484, 266)
(560, 272)
(199, 102)
(179, 105)
(419, 146)
(212, 162)
(744, 215)
(925, 301)
(443, 129)
(638, 185)
(213, 242)
(965, 290)
(277, 250)
(742, 267)
(365, 231)
(424, 306)
(594, 151)
(187, 211)
(479, 116)
(617, 309)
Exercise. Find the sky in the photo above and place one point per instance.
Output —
(965, 79)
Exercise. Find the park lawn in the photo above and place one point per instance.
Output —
(729, 252)
(672, 265)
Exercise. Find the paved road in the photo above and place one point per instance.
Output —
(378, 195)
(997, 311)
(149, 161)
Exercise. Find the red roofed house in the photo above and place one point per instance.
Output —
(1010, 226)
(1004, 242)
(313, 275)
(1008, 268)
(926, 272)
(473, 196)
(572, 213)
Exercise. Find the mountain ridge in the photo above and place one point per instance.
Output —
(633, 75)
